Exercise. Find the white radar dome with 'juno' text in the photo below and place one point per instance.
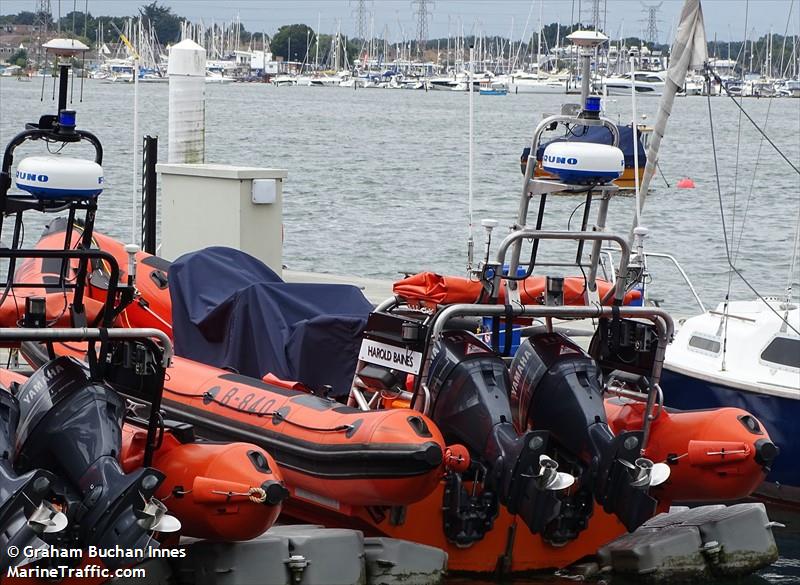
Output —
(59, 177)
(583, 162)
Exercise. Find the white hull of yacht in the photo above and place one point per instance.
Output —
(547, 87)
(641, 89)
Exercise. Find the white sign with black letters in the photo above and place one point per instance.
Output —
(389, 356)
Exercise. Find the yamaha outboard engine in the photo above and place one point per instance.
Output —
(24, 512)
(72, 425)
(557, 387)
(469, 388)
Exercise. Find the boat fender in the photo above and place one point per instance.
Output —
(456, 458)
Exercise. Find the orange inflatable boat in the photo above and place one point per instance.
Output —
(346, 490)
(389, 472)
(218, 491)
(150, 308)
(326, 451)
(714, 455)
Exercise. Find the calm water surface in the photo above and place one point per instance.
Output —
(378, 181)
(378, 178)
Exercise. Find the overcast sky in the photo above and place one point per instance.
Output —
(724, 18)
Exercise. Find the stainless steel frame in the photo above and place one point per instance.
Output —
(595, 306)
(13, 334)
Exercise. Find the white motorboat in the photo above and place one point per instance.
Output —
(281, 80)
(647, 83)
(531, 83)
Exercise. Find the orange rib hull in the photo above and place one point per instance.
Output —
(713, 454)
(219, 491)
(378, 471)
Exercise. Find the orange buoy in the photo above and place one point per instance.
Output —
(685, 183)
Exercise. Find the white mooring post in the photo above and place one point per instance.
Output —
(187, 103)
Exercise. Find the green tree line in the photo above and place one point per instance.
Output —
(167, 25)
(298, 42)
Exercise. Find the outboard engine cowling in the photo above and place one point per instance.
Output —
(21, 496)
(469, 392)
(72, 426)
(557, 387)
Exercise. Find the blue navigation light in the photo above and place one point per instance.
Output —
(593, 103)
(66, 118)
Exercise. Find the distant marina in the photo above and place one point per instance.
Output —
(538, 61)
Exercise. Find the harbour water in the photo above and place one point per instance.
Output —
(378, 181)
(378, 178)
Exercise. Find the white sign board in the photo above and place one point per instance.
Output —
(389, 356)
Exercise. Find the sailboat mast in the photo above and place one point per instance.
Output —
(558, 42)
(769, 65)
(337, 65)
(316, 55)
(510, 46)
(447, 58)
(539, 43)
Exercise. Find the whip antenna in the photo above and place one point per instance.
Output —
(470, 240)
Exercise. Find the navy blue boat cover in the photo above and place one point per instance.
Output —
(231, 311)
(601, 135)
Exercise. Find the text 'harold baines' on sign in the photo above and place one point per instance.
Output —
(396, 358)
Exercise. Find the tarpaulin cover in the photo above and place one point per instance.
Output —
(231, 311)
(600, 135)
(434, 289)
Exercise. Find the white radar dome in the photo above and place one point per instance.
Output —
(583, 162)
(59, 177)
